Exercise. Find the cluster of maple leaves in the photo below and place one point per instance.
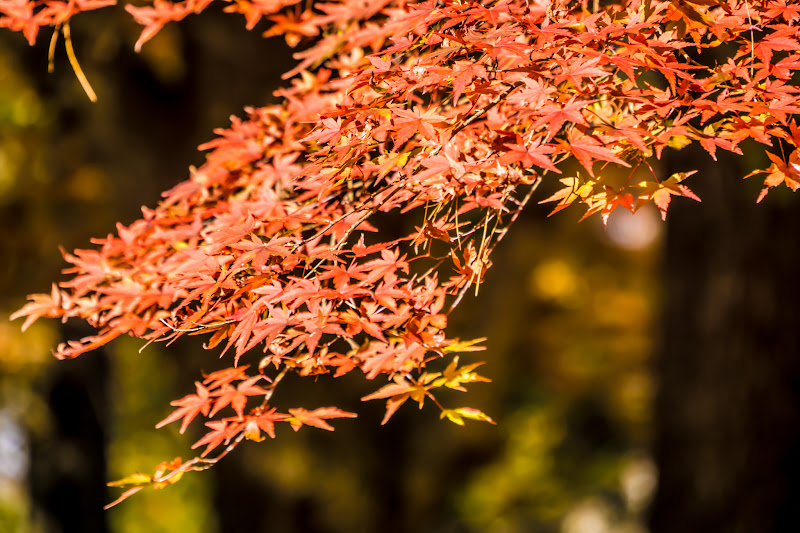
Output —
(449, 111)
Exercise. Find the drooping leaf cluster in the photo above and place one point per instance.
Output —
(449, 112)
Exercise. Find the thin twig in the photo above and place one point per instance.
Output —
(500, 235)
(200, 327)
(271, 389)
(340, 218)
(344, 238)
(188, 466)
(485, 109)
(76, 66)
(51, 51)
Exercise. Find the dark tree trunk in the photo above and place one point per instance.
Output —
(727, 433)
(67, 471)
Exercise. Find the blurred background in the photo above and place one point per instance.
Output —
(645, 378)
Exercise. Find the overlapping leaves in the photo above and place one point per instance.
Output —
(450, 112)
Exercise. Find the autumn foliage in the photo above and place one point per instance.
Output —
(448, 112)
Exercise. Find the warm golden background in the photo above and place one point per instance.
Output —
(649, 351)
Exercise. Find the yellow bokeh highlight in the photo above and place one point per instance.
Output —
(555, 280)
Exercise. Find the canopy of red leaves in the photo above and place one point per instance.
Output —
(450, 111)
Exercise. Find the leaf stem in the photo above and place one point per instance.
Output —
(75, 65)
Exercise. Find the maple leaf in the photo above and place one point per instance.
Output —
(263, 421)
(780, 172)
(453, 377)
(409, 122)
(692, 14)
(574, 189)
(237, 397)
(389, 263)
(783, 38)
(292, 26)
(444, 111)
(661, 192)
(166, 473)
(437, 169)
(458, 415)
(465, 72)
(330, 132)
(554, 116)
(573, 72)
(316, 418)
(258, 253)
(357, 322)
(401, 390)
(400, 386)
(132, 480)
(710, 141)
(47, 305)
(154, 18)
(587, 149)
(221, 431)
(223, 377)
(189, 407)
(533, 154)
(459, 346)
(608, 201)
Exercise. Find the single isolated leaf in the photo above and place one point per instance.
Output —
(133, 480)
(316, 418)
(458, 415)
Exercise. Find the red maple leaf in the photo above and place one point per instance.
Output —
(409, 122)
(237, 397)
(587, 150)
(189, 407)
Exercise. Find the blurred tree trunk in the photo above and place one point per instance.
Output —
(67, 471)
(727, 433)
